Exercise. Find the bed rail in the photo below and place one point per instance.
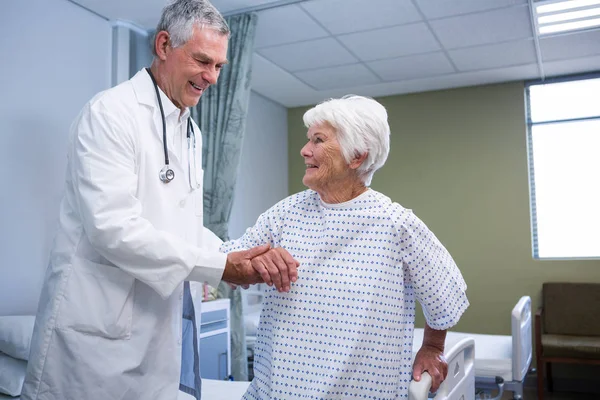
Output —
(460, 382)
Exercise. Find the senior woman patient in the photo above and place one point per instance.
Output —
(345, 328)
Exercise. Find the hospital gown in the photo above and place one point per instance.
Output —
(345, 329)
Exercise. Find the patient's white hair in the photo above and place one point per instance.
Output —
(361, 125)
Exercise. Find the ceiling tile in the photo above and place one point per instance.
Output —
(308, 55)
(413, 67)
(144, 14)
(493, 28)
(483, 28)
(517, 73)
(494, 55)
(391, 42)
(337, 77)
(228, 6)
(275, 83)
(345, 16)
(447, 8)
(572, 45)
(286, 25)
(573, 66)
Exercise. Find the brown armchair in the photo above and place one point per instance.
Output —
(567, 328)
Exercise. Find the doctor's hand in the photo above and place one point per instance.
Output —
(432, 360)
(238, 268)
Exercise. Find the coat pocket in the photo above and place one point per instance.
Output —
(97, 300)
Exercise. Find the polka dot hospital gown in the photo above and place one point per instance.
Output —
(345, 329)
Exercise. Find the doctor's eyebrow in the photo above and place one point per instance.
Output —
(203, 57)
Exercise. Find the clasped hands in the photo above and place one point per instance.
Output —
(273, 266)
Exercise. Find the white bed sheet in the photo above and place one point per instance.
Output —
(211, 389)
(493, 353)
(251, 323)
(216, 390)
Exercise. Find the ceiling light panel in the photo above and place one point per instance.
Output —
(566, 16)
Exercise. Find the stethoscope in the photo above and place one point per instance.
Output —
(166, 174)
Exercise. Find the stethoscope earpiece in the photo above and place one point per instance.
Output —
(166, 174)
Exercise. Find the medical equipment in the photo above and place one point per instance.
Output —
(166, 174)
(459, 384)
(501, 361)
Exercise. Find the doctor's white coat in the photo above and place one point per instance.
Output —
(109, 319)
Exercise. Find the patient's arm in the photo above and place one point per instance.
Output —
(430, 357)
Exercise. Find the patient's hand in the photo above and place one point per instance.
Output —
(432, 360)
(277, 267)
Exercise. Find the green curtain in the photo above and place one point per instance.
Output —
(221, 115)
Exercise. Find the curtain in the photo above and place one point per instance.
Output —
(221, 115)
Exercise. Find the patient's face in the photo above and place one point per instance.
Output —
(325, 164)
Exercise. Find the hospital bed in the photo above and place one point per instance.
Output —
(459, 384)
(501, 361)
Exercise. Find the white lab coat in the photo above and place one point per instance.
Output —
(109, 320)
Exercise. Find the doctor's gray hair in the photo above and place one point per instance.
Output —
(181, 16)
(361, 125)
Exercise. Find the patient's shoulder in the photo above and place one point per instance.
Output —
(393, 210)
(295, 203)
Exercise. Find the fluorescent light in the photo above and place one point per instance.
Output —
(547, 19)
(566, 5)
(570, 26)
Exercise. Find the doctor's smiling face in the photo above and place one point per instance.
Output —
(186, 71)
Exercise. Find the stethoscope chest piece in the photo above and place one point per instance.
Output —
(166, 174)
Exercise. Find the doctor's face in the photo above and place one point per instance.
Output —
(191, 68)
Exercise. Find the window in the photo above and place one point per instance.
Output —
(563, 121)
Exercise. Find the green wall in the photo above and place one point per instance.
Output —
(459, 159)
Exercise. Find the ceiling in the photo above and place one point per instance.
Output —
(312, 50)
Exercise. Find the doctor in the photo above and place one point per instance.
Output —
(109, 324)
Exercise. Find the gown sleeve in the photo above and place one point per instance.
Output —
(434, 276)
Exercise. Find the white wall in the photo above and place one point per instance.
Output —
(141, 51)
(55, 57)
(263, 175)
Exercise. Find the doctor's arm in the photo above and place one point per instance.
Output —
(271, 266)
(103, 173)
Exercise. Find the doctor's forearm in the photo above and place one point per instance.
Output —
(209, 268)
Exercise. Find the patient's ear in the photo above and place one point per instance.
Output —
(358, 160)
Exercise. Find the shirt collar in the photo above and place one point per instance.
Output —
(145, 93)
